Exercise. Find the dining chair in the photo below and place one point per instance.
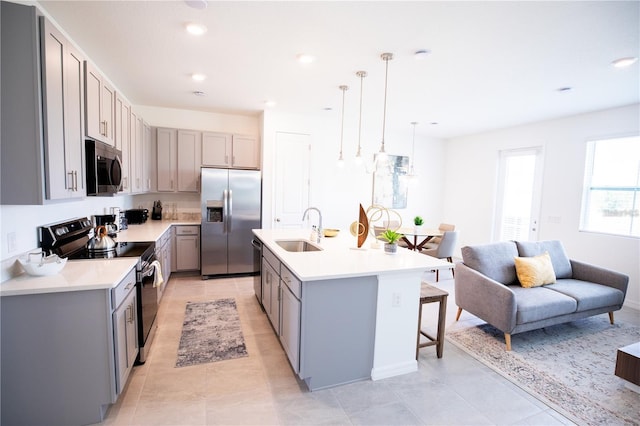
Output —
(433, 243)
(444, 250)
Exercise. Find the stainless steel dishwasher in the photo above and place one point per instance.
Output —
(257, 262)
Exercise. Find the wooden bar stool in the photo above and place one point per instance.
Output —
(430, 294)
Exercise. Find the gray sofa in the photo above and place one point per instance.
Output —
(487, 286)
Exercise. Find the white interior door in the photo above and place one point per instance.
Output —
(518, 198)
(291, 179)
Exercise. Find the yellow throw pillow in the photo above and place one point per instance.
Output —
(535, 271)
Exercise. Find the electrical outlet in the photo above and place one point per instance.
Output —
(11, 242)
(395, 300)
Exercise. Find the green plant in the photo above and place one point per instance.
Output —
(417, 221)
(390, 236)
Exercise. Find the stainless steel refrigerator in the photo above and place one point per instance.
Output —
(230, 202)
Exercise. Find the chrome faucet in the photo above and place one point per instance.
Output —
(304, 216)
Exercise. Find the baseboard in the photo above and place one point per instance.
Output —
(394, 370)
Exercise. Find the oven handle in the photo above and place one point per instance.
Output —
(147, 269)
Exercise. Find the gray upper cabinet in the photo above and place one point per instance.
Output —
(63, 115)
(42, 123)
(227, 150)
(122, 138)
(100, 106)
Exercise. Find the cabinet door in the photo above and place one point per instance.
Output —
(188, 252)
(245, 152)
(136, 153)
(146, 157)
(189, 146)
(93, 102)
(122, 138)
(290, 326)
(62, 69)
(125, 339)
(216, 149)
(167, 162)
(107, 112)
(271, 294)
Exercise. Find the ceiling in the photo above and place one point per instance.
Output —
(491, 64)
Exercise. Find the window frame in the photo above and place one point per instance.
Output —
(588, 189)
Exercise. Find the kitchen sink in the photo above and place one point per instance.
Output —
(298, 245)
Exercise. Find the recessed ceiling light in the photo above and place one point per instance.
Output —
(434, 123)
(197, 4)
(270, 104)
(305, 58)
(624, 62)
(199, 93)
(564, 89)
(198, 77)
(421, 54)
(327, 109)
(196, 29)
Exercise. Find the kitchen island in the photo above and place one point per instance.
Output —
(343, 314)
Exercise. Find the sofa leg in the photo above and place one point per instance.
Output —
(507, 339)
(611, 317)
(458, 314)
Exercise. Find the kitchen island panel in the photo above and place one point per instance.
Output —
(338, 322)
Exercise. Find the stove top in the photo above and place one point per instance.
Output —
(69, 239)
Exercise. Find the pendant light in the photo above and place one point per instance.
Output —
(412, 173)
(362, 75)
(382, 155)
(340, 159)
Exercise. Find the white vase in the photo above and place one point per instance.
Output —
(418, 229)
(390, 248)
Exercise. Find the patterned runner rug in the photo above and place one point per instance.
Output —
(211, 332)
(569, 366)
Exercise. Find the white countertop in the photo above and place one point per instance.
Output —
(340, 257)
(77, 275)
(151, 230)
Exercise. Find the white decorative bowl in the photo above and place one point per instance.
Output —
(49, 265)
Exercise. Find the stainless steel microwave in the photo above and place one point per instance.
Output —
(104, 168)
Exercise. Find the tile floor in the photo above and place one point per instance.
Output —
(261, 389)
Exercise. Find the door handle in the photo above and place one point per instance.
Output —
(230, 213)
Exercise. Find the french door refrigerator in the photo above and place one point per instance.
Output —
(230, 202)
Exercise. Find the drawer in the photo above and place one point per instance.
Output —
(291, 281)
(271, 258)
(121, 291)
(187, 230)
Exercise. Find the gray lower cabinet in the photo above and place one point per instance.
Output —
(125, 329)
(187, 247)
(326, 327)
(290, 308)
(58, 351)
(271, 293)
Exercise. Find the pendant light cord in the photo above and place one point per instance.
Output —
(344, 89)
(362, 75)
(386, 57)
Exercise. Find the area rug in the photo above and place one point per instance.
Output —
(569, 366)
(211, 332)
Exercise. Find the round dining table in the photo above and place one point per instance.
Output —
(425, 235)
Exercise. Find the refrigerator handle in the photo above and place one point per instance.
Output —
(230, 210)
(225, 209)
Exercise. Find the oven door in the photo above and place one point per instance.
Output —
(147, 306)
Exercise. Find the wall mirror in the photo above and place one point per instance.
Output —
(390, 184)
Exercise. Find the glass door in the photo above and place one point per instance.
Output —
(518, 199)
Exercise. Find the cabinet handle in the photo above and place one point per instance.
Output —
(75, 180)
(128, 287)
(226, 159)
(233, 160)
(130, 309)
(70, 183)
(171, 183)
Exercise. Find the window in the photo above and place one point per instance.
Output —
(611, 199)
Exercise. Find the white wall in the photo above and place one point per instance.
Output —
(470, 183)
(339, 191)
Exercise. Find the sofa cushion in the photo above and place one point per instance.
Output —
(493, 260)
(589, 295)
(540, 303)
(559, 258)
(535, 271)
